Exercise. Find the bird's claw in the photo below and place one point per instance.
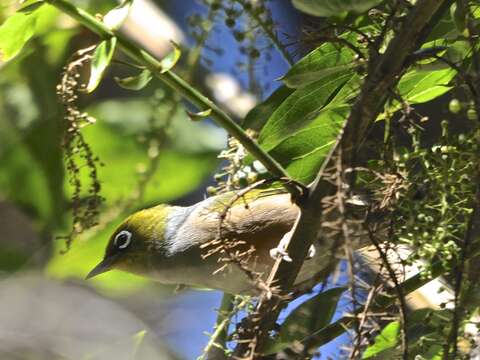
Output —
(277, 252)
(311, 252)
(281, 250)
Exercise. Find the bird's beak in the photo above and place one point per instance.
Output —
(104, 266)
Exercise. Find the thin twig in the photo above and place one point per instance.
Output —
(400, 295)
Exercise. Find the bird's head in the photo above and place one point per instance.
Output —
(129, 247)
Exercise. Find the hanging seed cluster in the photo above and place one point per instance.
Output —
(79, 158)
(235, 175)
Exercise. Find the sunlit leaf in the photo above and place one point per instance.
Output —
(135, 82)
(14, 34)
(100, 60)
(309, 121)
(169, 61)
(300, 109)
(115, 17)
(325, 60)
(418, 87)
(333, 7)
(386, 340)
(303, 152)
(310, 316)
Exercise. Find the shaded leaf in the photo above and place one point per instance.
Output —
(31, 7)
(386, 340)
(14, 34)
(100, 60)
(169, 61)
(312, 315)
(135, 82)
(258, 116)
(445, 29)
(333, 7)
(32, 156)
(115, 17)
(459, 17)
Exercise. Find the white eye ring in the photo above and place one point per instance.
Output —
(124, 237)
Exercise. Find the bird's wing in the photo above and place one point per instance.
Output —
(259, 219)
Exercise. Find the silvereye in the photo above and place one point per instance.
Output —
(164, 242)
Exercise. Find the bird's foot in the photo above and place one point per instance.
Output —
(281, 250)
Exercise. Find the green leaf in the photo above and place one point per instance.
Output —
(445, 29)
(312, 117)
(333, 7)
(419, 87)
(459, 17)
(323, 61)
(304, 151)
(169, 61)
(100, 60)
(258, 116)
(310, 316)
(179, 172)
(115, 17)
(30, 136)
(300, 109)
(14, 34)
(135, 82)
(386, 340)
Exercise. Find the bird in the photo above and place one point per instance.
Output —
(170, 244)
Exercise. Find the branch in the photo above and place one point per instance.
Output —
(177, 84)
(386, 71)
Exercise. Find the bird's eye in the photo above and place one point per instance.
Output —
(123, 239)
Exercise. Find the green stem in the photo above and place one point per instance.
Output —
(218, 339)
(175, 82)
